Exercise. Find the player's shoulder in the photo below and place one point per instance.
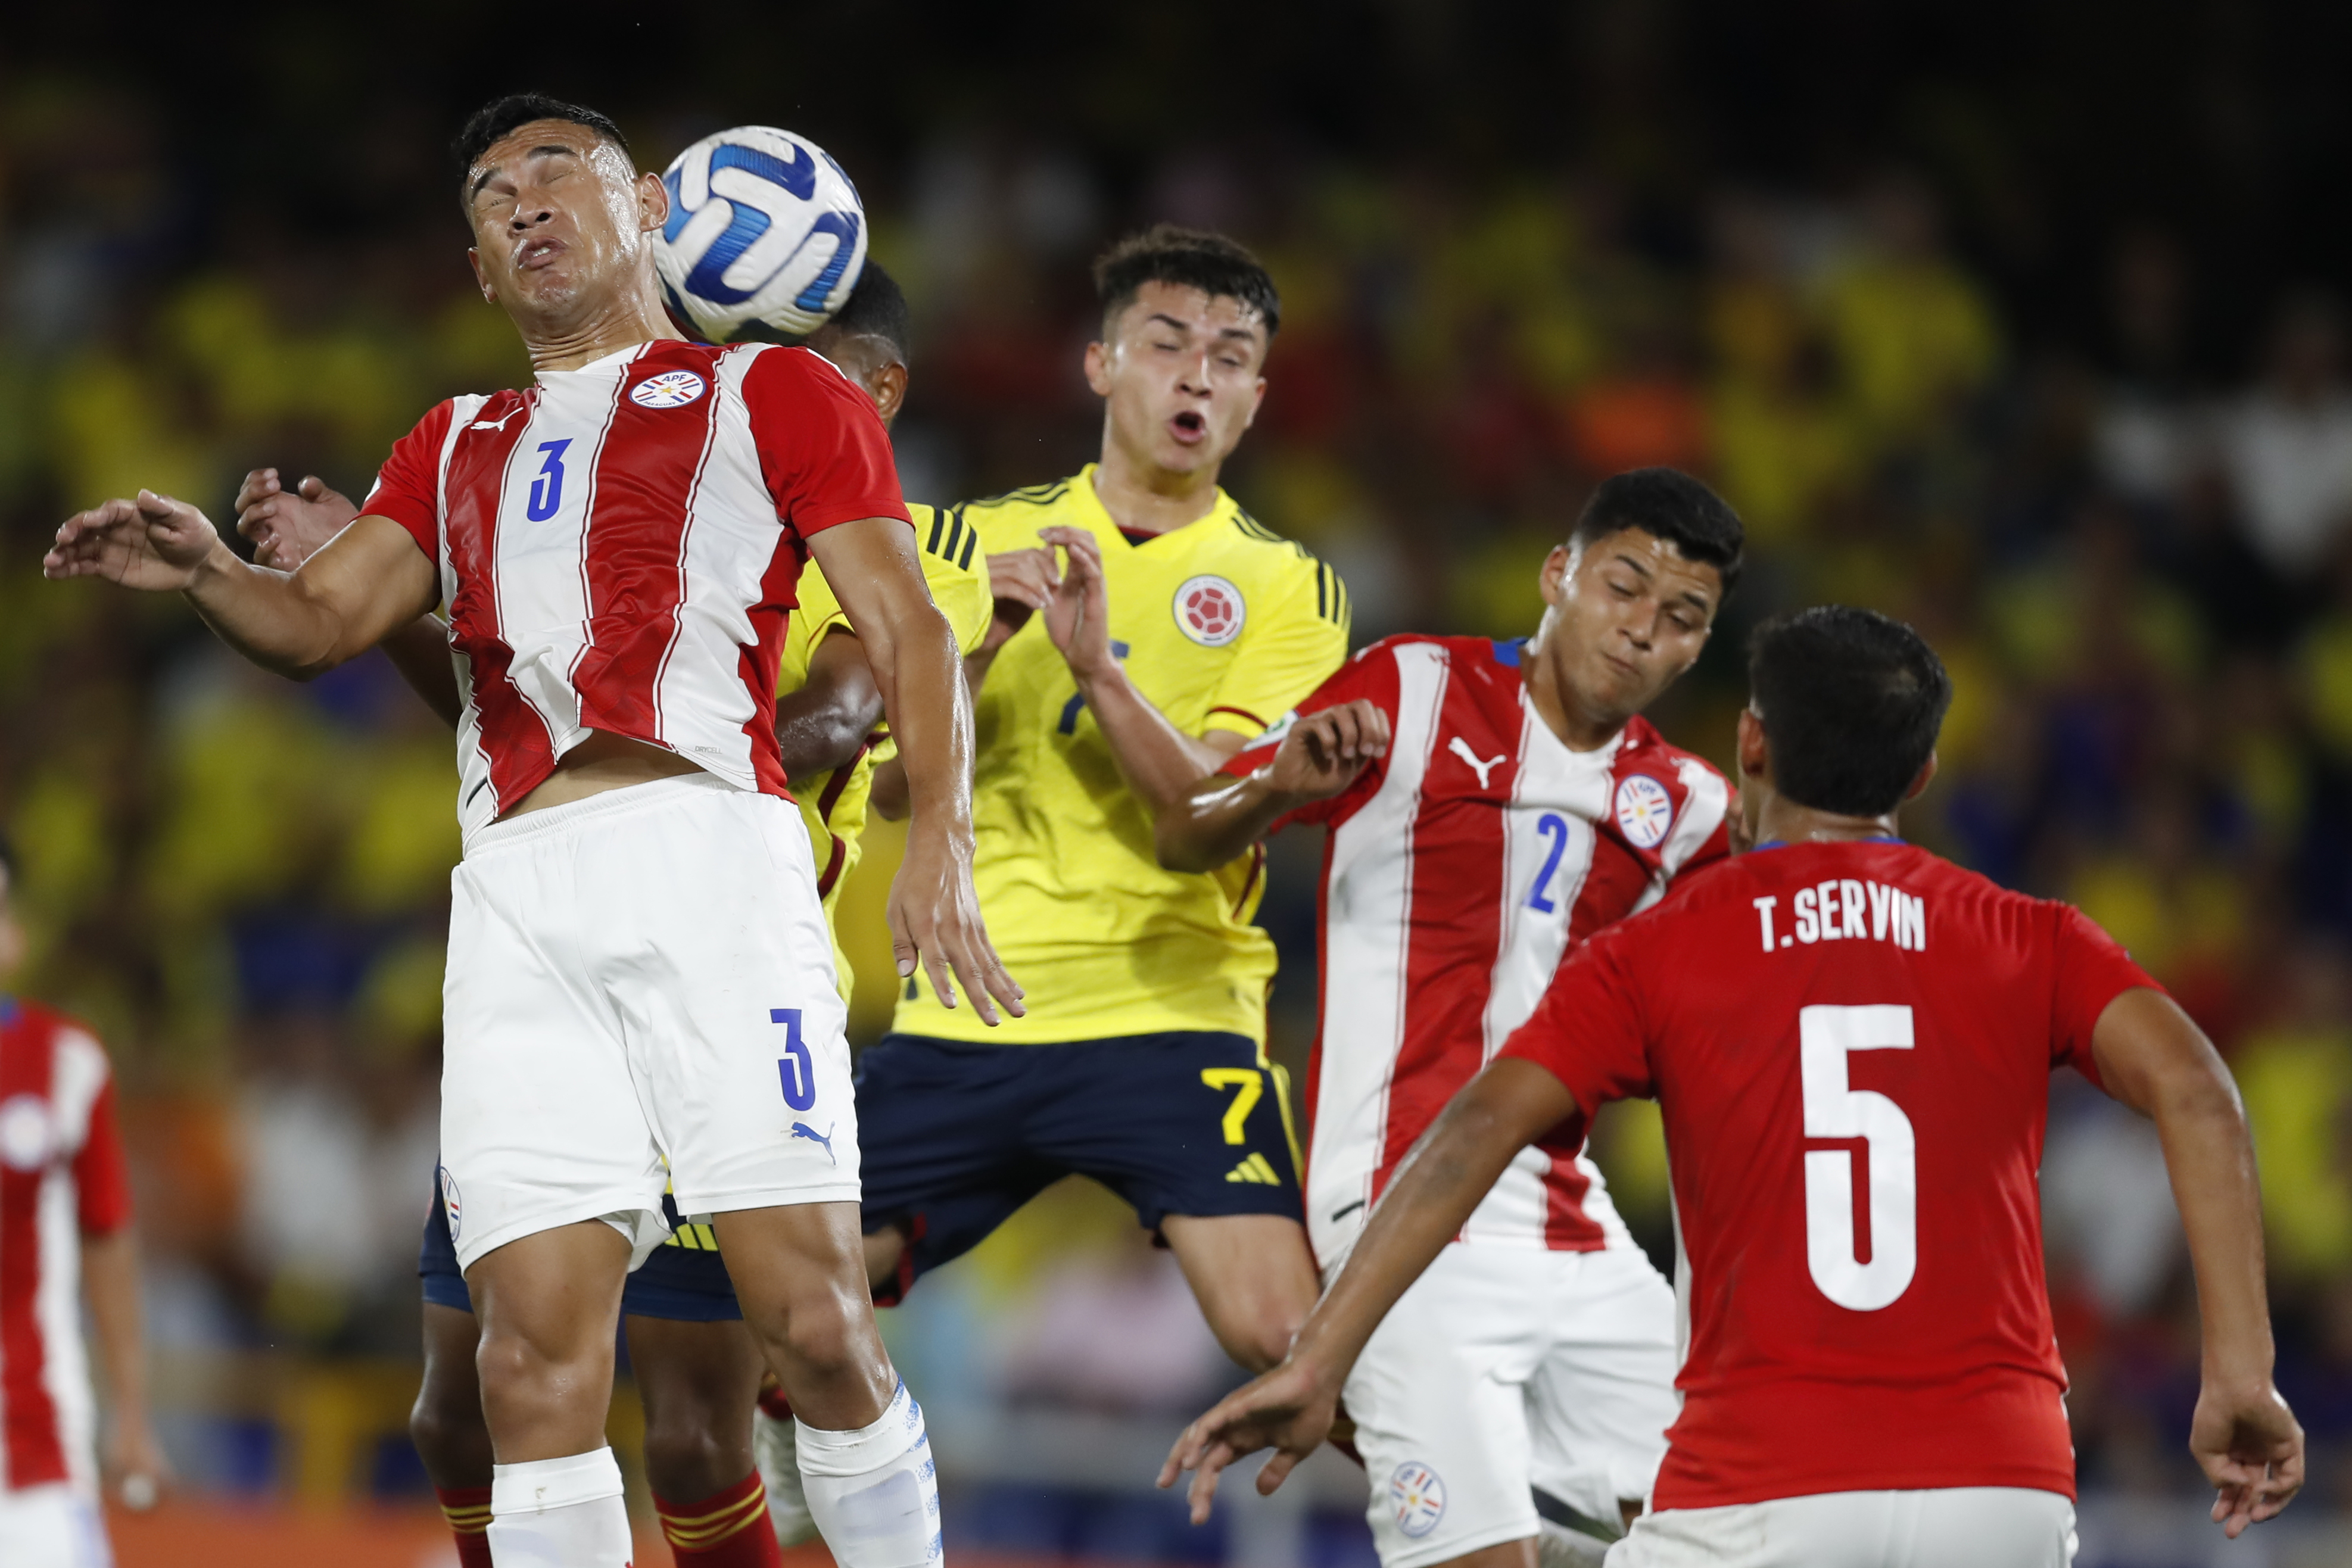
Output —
(1028, 502)
(763, 371)
(40, 1024)
(1643, 749)
(949, 537)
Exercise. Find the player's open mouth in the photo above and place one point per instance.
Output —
(539, 253)
(1188, 427)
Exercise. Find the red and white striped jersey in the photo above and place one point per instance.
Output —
(62, 1176)
(1460, 868)
(618, 547)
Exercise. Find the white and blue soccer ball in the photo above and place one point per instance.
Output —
(766, 235)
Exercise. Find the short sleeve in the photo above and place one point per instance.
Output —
(1288, 649)
(1588, 1030)
(2091, 970)
(102, 1174)
(823, 450)
(962, 593)
(408, 486)
(1371, 675)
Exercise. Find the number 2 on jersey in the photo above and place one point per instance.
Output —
(1553, 826)
(1824, 1037)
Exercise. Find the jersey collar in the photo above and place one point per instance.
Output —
(1783, 843)
(1106, 527)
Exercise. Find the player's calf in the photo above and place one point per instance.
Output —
(549, 1305)
(446, 1423)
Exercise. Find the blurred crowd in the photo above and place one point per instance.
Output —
(2137, 561)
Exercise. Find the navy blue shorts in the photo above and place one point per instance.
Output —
(954, 1137)
(684, 1280)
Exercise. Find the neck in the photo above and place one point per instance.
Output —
(1783, 821)
(1147, 498)
(1580, 725)
(627, 322)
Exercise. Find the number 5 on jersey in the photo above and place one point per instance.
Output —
(1824, 1037)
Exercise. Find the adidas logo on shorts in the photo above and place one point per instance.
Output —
(1255, 1168)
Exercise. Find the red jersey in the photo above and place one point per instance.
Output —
(1852, 1045)
(619, 545)
(62, 1176)
(1459, 868)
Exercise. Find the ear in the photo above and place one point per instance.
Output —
(1552, 578)
(653, 202)
(473, 260)
(1755, 751)
(1257, 400)
(887, 386)
(1098, 367)
(1919, 784)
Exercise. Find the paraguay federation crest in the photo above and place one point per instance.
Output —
(450, 1202)
(1644, 812)
(671, 389)
(1418, 1497)
(1209, 609)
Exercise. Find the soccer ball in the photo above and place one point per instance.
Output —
(765, 239)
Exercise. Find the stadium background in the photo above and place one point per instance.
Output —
(2026, 326)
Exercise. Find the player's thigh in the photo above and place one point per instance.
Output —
(1600, 1399)
(722, 974)
(1954, 1528)
(1440, 1411)
(940, 1125)
(540, 1124)
(51, 1526)
(1189, 1122)
(1253, 1276)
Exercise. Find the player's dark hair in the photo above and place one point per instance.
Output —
(1852, 703)
(500, 116)
(877, 307)
(1675, 508)
(1189, 259)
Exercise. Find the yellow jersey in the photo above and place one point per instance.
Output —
(1223, 625)
(834, 804)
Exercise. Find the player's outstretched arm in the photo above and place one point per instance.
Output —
(823, 724)
(289, 526)
(343, 601)
(934, 914)
(1290, 1409)
(109, 1277)
(1220, 816)
(1159, 761)
(2154, 1059)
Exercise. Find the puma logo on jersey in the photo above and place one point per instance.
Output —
(1461, 749)
(497, 424)
(1256, 1168)
(802, 1130)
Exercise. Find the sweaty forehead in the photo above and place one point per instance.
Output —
(535, 136)
(1675, 571)
(1195, 307)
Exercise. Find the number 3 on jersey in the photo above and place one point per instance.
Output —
(1824, 1037)
(795, 1067)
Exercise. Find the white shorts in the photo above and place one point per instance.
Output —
(640, 992)
(1504, 1370)
(1946, 1527)
(51, 1526)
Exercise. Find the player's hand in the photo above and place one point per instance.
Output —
(135, 1467)
(2249, 1446)
(289, 526)
(935, 922)
(1289, 1409)
(152, 542)
(1077, 614)
(1022, 582)
(1324, 750)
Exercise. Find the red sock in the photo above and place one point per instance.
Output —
(726, 1530)
(468, 1510)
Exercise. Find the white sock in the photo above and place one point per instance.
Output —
(875, 1493)
(560, 1513)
